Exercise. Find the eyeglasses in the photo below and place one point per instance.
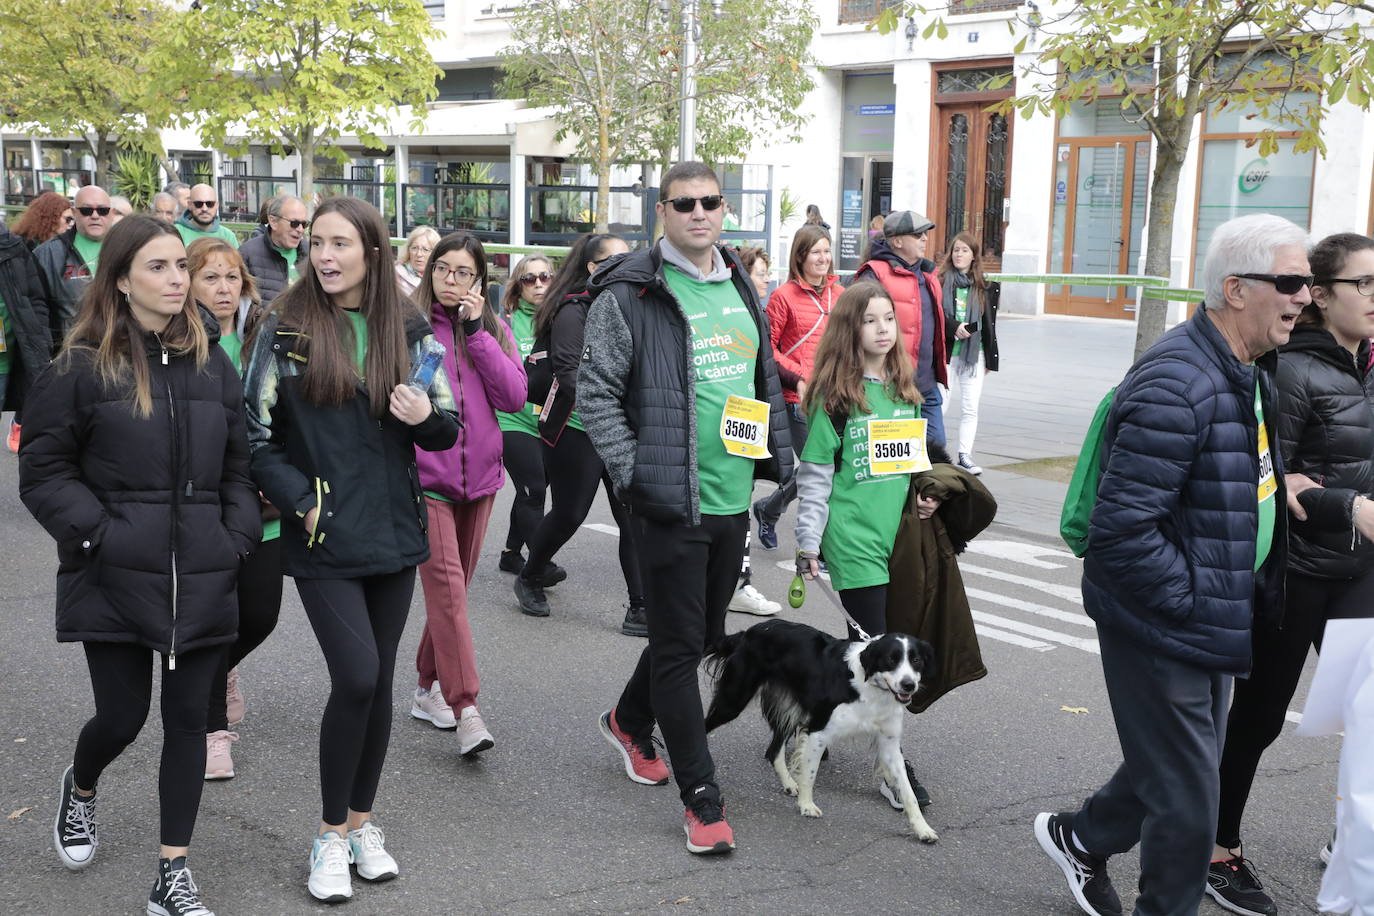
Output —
(204, 203)
(1364, 285)
(688, 204)
(531, 279)
(442, 271)
(87, 211)
(1286, 284)
(293, 223)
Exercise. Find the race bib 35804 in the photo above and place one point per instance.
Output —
(897, 447)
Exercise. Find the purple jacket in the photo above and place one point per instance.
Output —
(487, 381)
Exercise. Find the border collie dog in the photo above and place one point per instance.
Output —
(817, 688)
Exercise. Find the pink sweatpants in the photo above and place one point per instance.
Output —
(446, 653)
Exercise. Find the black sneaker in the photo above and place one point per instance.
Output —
(768, 533)
(530, 594)
(512, 561)
(552, 575)
(175, 893)
(73, 831)
(636, 621)
(1233, 884)
(890, 793)
(1087, 875)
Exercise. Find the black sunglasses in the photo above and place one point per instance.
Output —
(1287, 284)
(294, 223)
(87, 211)
(204, 203)
(688, 204)
(531, 279)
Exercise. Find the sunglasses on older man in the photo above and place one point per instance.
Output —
(87, 211)
(1286, 284)
(298, 223)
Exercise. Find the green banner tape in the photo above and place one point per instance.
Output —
(1152, 287)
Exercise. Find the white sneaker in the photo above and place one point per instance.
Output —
(748, 600)
(368, 846)
(329, 878)
(473, 737)
(431, 706)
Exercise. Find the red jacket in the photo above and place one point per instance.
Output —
(905, 289)
(796, 321)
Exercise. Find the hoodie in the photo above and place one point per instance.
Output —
(190, 230)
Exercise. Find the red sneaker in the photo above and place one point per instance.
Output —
(642, 763)
(706, 829)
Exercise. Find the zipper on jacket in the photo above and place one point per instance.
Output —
(172, 534)
(321, 491)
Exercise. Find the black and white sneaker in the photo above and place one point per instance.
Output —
(1325, 854)
(73, 831)
(966, 462)
(175, 893)
(1087, 875)
(1233, 884)
(889, 792)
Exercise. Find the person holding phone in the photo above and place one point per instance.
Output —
(970, 304)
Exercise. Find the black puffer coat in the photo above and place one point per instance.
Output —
(27, 306)
(150, 515)
(1326, 431)
(267, 266)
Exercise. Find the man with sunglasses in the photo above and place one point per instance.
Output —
(277, 246)
(680, 396)
(201, 219)
(67, 263)
(1187, 554)
(898, 261)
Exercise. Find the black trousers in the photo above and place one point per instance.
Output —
(575, 472)
(691, 571)
(1261, 701)
(1171, 721)
(868, 606)
(358, 623)
(259, 589)
(122, 681)
(523, 456)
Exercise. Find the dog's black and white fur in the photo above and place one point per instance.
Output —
(817, 688)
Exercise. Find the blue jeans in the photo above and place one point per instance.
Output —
(932, 408)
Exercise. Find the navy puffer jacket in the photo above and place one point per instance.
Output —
(1171, 548)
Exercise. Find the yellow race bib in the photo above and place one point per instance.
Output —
(897, 447)
(744, 427)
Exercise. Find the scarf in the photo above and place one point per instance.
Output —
(965, 351)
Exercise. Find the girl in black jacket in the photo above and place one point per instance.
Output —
(333, 428)
(134, 459)
(970, 303)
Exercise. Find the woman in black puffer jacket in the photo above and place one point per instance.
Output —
(1326, 437)
(135, 459)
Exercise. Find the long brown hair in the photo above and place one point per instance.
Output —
(802, 242)
(43, 218)
(975, 270)
(107, 329)
(837, 373)
(330, 374)
(424, 293)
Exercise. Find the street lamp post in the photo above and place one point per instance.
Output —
(691, 37)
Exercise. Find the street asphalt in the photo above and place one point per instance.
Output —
(547, 822)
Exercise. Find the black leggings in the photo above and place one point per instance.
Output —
(868, 606)
(122, 681)
(1261, 700)
(575, 470)
(259, 588)
(358, 623)
(523, 456)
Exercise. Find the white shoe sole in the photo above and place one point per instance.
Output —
(605, 730)
(336, 897)
(218, 776)
(483, 744)
(754, 609)
(378, 877)
(1042, 836)
(418, 713)
(1228, 905)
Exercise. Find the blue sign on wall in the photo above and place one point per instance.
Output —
(889, 109)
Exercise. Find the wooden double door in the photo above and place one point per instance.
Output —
(972, 179)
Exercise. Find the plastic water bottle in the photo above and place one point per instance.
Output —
(431, 358)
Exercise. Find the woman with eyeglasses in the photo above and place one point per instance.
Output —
(412, 258)
(524, 455)
(575, 469)
(485, 373)
(1325, 435)
(47, 216)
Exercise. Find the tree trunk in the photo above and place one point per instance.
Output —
(305, 180)
(102, 150)
(1159, 248)
(603, 176)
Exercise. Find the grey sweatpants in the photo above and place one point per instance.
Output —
(1171, 720)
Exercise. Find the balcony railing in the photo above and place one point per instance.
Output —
(956, 7)
(852, 11)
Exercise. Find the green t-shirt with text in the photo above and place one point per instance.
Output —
(1267, 487)
(725, 345)
(865, 511)
(88, 250)
(525, 420)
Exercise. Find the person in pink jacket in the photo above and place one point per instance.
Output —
(460, 485)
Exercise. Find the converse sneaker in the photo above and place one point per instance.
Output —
(1087, 875)
(1233, 884)
(73, 832)
(749, 600)
(330, 856)
(218, 763)
(530, 594)
(512, 561)
(175, 893)
(233, 699)
(966, 462)
(430, 706)
(473, 737)
(367, 845)
(768, 533)
(642, 763)
(704, 823)
(636, 622)
(1325, 854)
(889, 791)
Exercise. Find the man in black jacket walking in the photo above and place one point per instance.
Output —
(680, 396)
(275, 249)
(27, 340)
(68, 262)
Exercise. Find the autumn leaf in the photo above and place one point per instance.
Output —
(17, 813)
(1076, 710)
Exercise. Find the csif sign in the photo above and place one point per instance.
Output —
(1253, 175)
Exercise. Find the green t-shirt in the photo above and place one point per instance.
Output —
(439, 496)
(526, 420)
(7, 338)
(232, 345)
(725, 344)
(865, 510)
(355, 317)
(960, 315)
(189, 234)
(290, 255)
(1266, 489)
(89, 249)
